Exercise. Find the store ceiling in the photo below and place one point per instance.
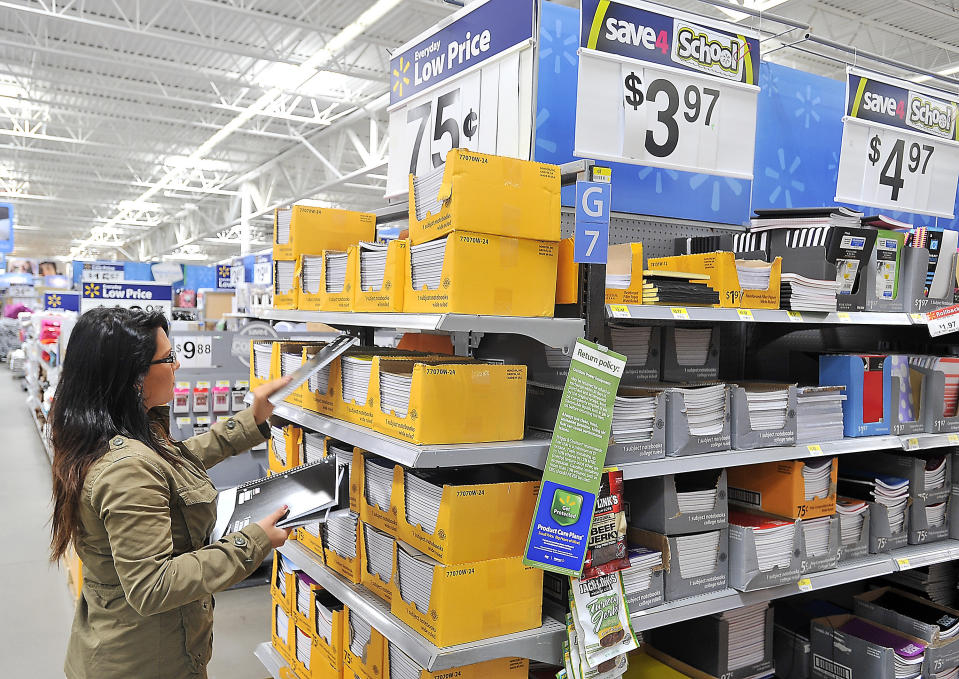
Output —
(112, 113)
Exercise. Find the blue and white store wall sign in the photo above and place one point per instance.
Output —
(130, 295)
(61, 299)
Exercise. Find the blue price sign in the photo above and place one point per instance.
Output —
(591, 236)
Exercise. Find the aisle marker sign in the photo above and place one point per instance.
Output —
(224, 277)
(677, 90)
(61, 300)
(900, 146)
(465, 83)
(577, 452)
(145, 296)
(591, 231)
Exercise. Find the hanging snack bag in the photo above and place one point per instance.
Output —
(607, 552)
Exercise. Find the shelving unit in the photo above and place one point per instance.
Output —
(646, 312)
(273, 661)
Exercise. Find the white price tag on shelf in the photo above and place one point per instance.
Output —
(903, 563)
(619, 311)
(844, 317)
(794, 316)
(918, 319)
(679, 313)
(953, 438)
(745, 314)
(805, 585)
(912, 444)
(193, 351)
(814, 449)
(943, 321)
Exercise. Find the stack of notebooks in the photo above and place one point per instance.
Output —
(379, 481)
(372, 265)
(319, 382)
(692, 345)
(747, 635)
(936, 582)
(852, 514)
(696, 500)
(936, 514)
(401, 665)
(920, 610)
(774, 538)
(361, 632)
(805, 227)
(284, 276)
(282, 625)
(424, 492)
(303, 594)
(753, 274)
(705, 408)
(697, 554)
(313, 447)
(935, 474)
(283, 568)
(816, 535)
(676, 287)
(889, 491)
(312, 274)
(632, 342)
(767, 408)
(290, 362)
(304, 647)
(908, 654)
(948, 365)
(415, 577)
(279, 445)
(340, 534)
(816, 476)
(426, 190)
(426, 264)
(634, 418)
(618, 281)
(798, 293)
(639, 575)
(335, 270)
(819, 414)
(379, 552)
(283, 219)
(326, 604)
(395, 392)
(262, 357)
(356, 371)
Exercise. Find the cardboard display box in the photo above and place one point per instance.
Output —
(500, 668)
(679, 441)
(673, 371)
(282, 632)
(344, 564)
(911, 466)
(384, 519)
(288, 298)
(638, 374)
(675, 585)
(724, 278)
(828, 559)
(264, 367)
(779, 488)
(626, 260)
(744, 572)
(304, 596)
(491, 194)
(838, 654)
(866, 377)
(742, 433)
(368, 663)
(792, 653)
(389, 296)
(911, 393)
(920, 530)
(326, 657)
(298, 397)
(293, 436)
(363, 414)
(860, 548)
(319, 299)
(282, 588)
(369, 579)
(315, 229)
(653, 503)
(934, 417)
(881, 538)
(311, 537)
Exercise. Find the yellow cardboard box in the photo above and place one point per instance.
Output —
(384, 520)
(500, 668)
(293, 436)
(282, 632)
(326, 659)
(389, 296)
(472, 601)
(298, 397)
(453, 401)
(310, 536)
(290, 298)
(567, 274)
(487, 516)
(344, 564)
(368, 578)
(626, 260)
(363, 414)
(489, 275)
(304, 589)
(315, 229)
(492, 194)
(724, 279)
(270, 369)
(368, 662)
(282, 588)
(319, 299)
(778, 488)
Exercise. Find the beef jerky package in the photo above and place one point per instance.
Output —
(575, 660)
(606, 552)
(601, 618)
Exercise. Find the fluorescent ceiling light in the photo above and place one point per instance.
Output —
(205, 164)
(139, 205)
(759, 5)
(952, 70)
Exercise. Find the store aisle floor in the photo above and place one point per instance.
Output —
(34, 594)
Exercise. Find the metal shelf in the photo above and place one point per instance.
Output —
(649, 312)
(273, 661)
(544, 644)
(554, 332)
(928, 441)
(853, 571)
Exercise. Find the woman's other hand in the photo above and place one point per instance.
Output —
(262, 408)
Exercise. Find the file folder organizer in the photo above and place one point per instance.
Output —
(389, 296)
(281, 583)
(493, 194)
(828, 559)
(921, 530)
(381, 518)
(907, 384)
(284, 448)
(934, 418)
(307, 230)
(881, 538)
(511, 601)
(369, 540)
(329, 636)
(860, 548)
(395, 660)
(744, 571)
(679, 440)
(653, 503)
(866, 377)
(743, 436)
(724, 278)
(332, 300)
(346, 564)
(484, 513)
(673, 371)
(779, 488)
(911, 466)
(364, 648)
(625, 260)
(840, 654)
(910, 265)
(282, 632)
(675, 585)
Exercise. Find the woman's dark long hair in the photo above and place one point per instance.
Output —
(99, 396)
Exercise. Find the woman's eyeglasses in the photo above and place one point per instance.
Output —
(171, 358)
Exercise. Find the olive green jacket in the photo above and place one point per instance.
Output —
(146, 610)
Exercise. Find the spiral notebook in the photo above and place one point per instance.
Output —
(321, 359)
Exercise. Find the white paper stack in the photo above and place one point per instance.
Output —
(949, 674)
(262, 357)
(819, 414)
(372, 265)
(324, 622)
(290, 362)
(634, 418)
(696, 500)
(279, 444)
(632, 342)
(302, 596)
(341, 534)
(313, 529)
(283, 570)
(907, 668)
(557, 360)
(618, 281)
(423, 499)
(284, 276)
(395, 392)
(753, 274)
(816, 534)
(692, 346)
(426, 189)
(935, 475)
(314, 446)
(311, 274)
(335, 270)
(319, 382)
(639, 575)
(705, 408)
(414, 571)
(747, 635)
(936, 582)
(283, 219)
(697, 554)
(343, 454)
(361, 632)
(401, 665)
(379, 481)
(774, 544)
(426, 264)
(799, 293)
(379, 553)
(894, 494)
(767, 408)
(817, 475)
(355, 373)
(282, 625)
(936, 514)
(852, 514)
(304, 647)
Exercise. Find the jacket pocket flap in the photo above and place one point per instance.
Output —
(199, 494)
